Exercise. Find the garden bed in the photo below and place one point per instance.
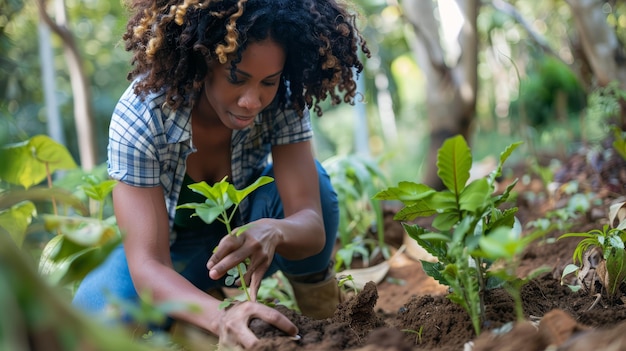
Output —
(409, 310)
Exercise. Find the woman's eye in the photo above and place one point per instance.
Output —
(270, 84)
(234, 80)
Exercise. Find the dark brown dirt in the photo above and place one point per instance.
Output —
(388, 315)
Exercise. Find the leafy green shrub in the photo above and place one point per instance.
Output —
(356, 179)
(471, 232)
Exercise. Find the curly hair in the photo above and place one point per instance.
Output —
(173, 41)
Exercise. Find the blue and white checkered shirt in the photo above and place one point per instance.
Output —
(149, 144)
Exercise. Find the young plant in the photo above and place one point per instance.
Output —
(276, 290)
(504, 245)
(610, 240)
(356, 179)
(418, 333)
(222, 201)
(463, 214)
(348, 278)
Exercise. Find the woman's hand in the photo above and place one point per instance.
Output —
(231, 333)
(257, 242)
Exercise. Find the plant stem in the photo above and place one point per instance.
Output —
(226, 220)
(481, 288)
(49, 179)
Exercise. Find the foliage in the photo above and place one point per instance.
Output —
(33, 160)
(472, 230)
(82, 242)
(550, 91)
(97, 27)
(610, 240)
(38, 313)
(603, 111)
(356, 179)
(619, 142)
(220, 198)
(277, 290)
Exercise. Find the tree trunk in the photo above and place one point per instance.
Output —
(600, 45)
(452, 84)
(83, 115)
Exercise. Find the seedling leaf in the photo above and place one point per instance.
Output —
(454, 161)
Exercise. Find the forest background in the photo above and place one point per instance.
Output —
(493, 71)
(549, 73)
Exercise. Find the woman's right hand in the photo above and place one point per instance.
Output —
(233, 335)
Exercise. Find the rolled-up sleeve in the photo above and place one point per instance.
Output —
(132, 152)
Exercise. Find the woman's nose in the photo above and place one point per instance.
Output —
(250, 99)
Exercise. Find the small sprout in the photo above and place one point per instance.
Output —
(348, 278)
(418, 333)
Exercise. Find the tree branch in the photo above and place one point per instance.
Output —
(511, 11)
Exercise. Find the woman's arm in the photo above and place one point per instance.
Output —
(142, 217)
(297, 181)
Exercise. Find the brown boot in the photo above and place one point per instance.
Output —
(317, 300)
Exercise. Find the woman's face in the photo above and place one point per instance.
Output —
(236, 102)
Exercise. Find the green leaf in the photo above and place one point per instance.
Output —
(98, 190)
(570, 268)
(434, 269)
(475, 196)
(446, 221)
(500, 199)
(502, 243)
(16, 220)
(238, 195)
(209, 213)
(76, 266)
(504, 218)
(83, 231)
(25, 163)
(454, 161)
(217, 193)
(418, 209)
(406, 192)
(435, 247)
(503, 157)
(616, 269)
(444, 201)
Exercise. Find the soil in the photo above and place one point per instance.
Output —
(390, 315)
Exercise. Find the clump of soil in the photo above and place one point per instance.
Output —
(410, 311)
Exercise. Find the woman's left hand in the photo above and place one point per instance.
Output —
(257, 242)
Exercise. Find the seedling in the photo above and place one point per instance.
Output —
(222, 201)
(348, 278)
(610, 240)
(356, 179)
(418, 333)
(463, 214)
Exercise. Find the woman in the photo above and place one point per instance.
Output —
(222, 88)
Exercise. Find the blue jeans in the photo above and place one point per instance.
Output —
(191, 250)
